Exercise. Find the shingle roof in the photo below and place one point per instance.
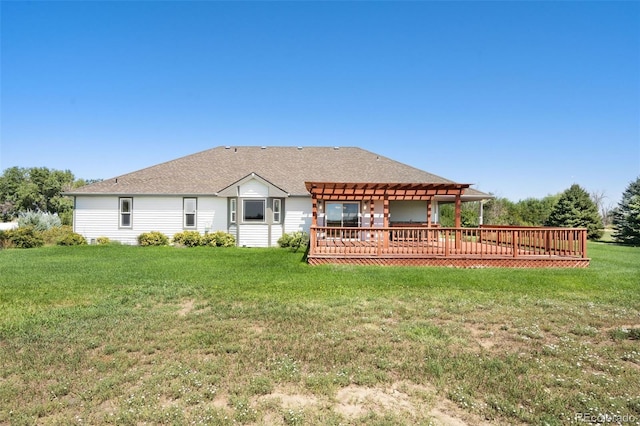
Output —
(210, 171)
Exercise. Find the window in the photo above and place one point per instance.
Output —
(277, 205)
(190, 206)
(126, 206)
(342, 214)
(253, 210)
(233, 209)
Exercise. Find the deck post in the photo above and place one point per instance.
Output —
(446, 242)
(514, 242)
(312, 240)
(584, 243)
(429, 213)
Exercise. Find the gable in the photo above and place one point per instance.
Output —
(252, 186)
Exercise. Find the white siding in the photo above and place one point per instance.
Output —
(378, 214)
(297, 215)
(254, 189)
(276, 233)
(98, 216)
(254, 235)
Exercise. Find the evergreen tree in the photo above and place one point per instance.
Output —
(626, 217)
(575, 209)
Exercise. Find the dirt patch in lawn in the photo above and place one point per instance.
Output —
(186, 307)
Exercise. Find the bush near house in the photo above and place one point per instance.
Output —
(103, 241)
(294, 240)
(23, 237)
(188, 239)
(153, 238)
(219, 239)
(72, 239)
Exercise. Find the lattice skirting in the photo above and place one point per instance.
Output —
(455, 262)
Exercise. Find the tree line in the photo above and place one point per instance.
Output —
(37, 189)
(41, 189)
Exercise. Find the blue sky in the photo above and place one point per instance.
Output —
(521, 99)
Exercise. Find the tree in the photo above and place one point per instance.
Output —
(534, 211)
(36, 188)
(626, 217)
(500, 211)
(575, 209)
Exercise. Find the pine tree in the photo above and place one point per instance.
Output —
(626, 217)
(575, 209)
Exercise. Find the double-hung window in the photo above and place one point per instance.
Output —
(233, 210)
(190, 207)
(277, 209)
(126, 208)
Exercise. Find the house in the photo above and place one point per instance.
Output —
(358, 206)
(254, 193)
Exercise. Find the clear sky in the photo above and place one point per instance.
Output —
(521, 99)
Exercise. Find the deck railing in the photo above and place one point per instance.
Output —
(468, 242)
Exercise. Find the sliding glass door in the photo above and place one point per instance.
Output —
(343, 214)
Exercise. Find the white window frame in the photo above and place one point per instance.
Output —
(122, 213)
(233, 210)
(186, 211)
(244, 210)
(277, 210)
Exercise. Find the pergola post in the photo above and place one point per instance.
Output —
(371, 218)
(458, 222)
(385, 211)
(429, 213)
(314, 211)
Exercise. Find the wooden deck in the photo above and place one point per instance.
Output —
(457, 247)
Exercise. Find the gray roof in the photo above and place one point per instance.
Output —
(210, 171)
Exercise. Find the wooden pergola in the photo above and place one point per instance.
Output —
(410, 243)
(341, 191)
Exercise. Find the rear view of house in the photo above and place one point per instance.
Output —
(255, 193)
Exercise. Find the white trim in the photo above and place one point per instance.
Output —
(189, 211)
(122, 214)
(277, 212)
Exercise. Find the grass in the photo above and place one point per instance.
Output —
(130, 335)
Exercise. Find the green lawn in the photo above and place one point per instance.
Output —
(130, 335)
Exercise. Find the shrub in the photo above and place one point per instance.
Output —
(153, 238)
(294, 240)
(72, 239)
(39, 220)
(24, 237)
(188, 238)
(53, 236)
(103, 241)
(219, 239)
(4, 240)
